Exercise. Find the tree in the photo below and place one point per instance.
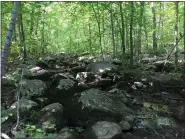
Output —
(131, 37)
(112, 28)
(154, 28)
(184, 35)
(176, 34)
(122, 31)
(140, 28)
(21, 37)
(7, 44)
(97, 17)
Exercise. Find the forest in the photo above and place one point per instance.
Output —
(92, 70)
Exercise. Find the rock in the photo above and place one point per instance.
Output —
(51, 117)
(66, 75)
(35, 72)
(25, 106)
(129, 136)
(78, 69)
(125, 125)
(160, 65)
(33, 88)
(105, 130)
(148, 59)
(85, 77)
(66, 88)
(168, 79)
(99, 67)
(42, 101)
(106, 103)
(182, 93)
(66, 133)
(138, 84)
(150, 67)
(179, 113)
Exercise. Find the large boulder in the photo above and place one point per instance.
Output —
(65, 88)
(98, 67)
(105, 104)
(66, 133)
(105, 130)
(51, 118)
(25, 107)
(33, 88)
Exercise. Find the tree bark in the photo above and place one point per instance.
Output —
(122, 32)
(32, 21)
(8, 40)
(90, 37)
(131, 37)
(184, 36)
(140, 28)
(112, 28)
(21, 37)
(99, 28)
(154, 28)
(176, 34)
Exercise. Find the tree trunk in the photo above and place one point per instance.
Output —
(32, 21)
(176, 34)
(112, 28)
(184, 36)
(99, 28)
(21, 37)
(7, 44)
(146, 33)
(122, 32)
(154, 28)
(162, 26)
(90, 41)
(131, 37)
(140, 28)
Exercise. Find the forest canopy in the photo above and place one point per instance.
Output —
(94, 27)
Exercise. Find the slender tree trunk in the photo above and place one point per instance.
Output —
(7, 43)
(112, 28)
(184, 42)
(154, 28)
(122, 31)
(176, 34)
(14, 35)
(37, 23)
(162, 26)
(184, 35)
(32, 21)
(90, 41)
(99, 28)
(22, 37)
(146, 33)
(140, 28)
(131, 37)
(70, 39)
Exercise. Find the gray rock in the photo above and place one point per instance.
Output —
(99, 67)
(67, 133)
(33, 88)
(105, 130)
(95, 99)
(125, 125)
(51, 117)
(25, 106)
(66, 87)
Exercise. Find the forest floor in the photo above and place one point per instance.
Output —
(153, 95)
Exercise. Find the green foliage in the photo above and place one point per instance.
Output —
(72, 26)
(33, 132)
(5, 114)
